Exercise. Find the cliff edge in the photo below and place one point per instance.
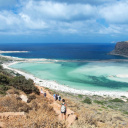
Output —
(121, 49)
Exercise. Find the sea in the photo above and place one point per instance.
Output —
(83, 66)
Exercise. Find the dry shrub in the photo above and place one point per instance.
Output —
(13, 91)
(87, 119)
(11, 104)
(31, 97)
(34, 105)
(42, 115)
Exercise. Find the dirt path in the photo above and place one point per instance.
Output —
(70, 116)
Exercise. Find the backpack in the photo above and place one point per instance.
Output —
(63, 108)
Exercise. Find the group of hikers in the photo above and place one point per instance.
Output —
(57, 97)
(63, 104)
(43, 93)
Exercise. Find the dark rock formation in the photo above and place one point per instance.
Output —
(121, 49)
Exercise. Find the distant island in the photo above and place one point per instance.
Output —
(121, 49)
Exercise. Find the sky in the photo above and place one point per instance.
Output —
(63, 21)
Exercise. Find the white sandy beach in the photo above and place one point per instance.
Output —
(56, 86)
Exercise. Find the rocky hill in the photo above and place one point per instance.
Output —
(121, 48)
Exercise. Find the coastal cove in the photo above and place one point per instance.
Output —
(85, 90)
(95, 73)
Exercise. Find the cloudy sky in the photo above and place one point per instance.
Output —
(84, 21)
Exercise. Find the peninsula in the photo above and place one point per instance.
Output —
(12, 51)
(121, 49)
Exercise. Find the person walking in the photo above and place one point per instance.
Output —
(41, 91)
(45, 94)
(54, 96)
(59, 97)
(63, 109)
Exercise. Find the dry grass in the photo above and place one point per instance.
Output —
(10, 103)
(39, 112)
(94, 115)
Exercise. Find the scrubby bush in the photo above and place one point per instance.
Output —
(80, 96)
(87, 100)
(13, 105)
(4, 79)
(3, 89)
(99, 102)
(126, 112)
(18, 82)
(116, 100)
(110, 106)
(30, 98)
(13, 91)
(25, 85)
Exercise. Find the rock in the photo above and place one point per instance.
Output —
(121, 49)
(24, 98)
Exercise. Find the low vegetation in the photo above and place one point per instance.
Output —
(87, 100)
(18, 82)
(116, 100)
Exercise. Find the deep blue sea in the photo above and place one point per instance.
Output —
(69, 51)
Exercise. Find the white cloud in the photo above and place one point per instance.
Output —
(116, 12)
(59, 11)
(40, 16)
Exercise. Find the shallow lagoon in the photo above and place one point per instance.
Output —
(94, 76)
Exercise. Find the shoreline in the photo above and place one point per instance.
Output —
(51, 84)
(53, 60)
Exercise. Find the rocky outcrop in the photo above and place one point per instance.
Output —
(121, 49)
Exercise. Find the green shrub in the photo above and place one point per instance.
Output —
(116, 100)
(2, 92)
(3, 89)
(110, 106)
(99, 102)
(126, 113)
(87, 100)
(80, 96)
(18, 82)
(21, 83)
(4, 79)
(104, 107)
(123, 96)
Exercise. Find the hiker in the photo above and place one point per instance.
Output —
(63, 109)
(45, 94)
(54, 96)
(41, 92)
(59, 97)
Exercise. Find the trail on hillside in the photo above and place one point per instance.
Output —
(70, 116)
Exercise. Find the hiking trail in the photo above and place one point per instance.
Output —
(70, 116)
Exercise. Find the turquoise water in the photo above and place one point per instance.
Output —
(95, 76)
